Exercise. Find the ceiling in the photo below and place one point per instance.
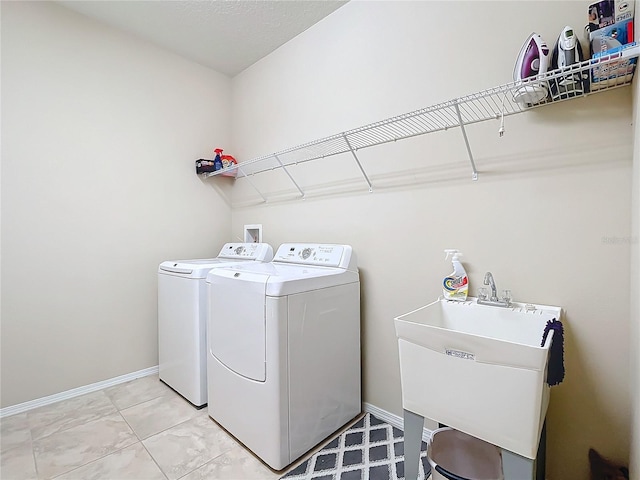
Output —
(226, 35)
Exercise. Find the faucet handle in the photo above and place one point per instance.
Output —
(506, 296)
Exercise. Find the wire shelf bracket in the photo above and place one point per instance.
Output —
(244, 175)
(474, 175)
(364, 174)
(275, 155)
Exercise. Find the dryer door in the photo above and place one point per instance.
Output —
(236, 327)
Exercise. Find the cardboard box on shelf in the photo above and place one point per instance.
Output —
(612, 36)
(607, 12)
(615, 73)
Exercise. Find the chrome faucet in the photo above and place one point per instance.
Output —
(493, 300)
(488, 280)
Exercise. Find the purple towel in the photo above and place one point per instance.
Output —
(555, 369)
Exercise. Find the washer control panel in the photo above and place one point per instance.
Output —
(311, 254)
(246, 251)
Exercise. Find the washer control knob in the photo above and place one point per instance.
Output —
(239, 250)
(306, 253)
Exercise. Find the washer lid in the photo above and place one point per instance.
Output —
(197, 268)
(230, 254)
(283, 279)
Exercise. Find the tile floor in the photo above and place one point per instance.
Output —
(134, 431)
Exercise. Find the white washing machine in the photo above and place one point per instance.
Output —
(182, 316)
(283, 362)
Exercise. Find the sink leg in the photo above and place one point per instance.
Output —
(413, 426)
(516, 467)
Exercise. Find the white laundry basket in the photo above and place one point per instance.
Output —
(454, 455)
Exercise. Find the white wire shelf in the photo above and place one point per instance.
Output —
(610, 71)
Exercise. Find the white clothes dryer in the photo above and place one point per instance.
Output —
(182, 316)
(283, 361)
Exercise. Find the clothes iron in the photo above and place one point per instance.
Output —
(568, 52)
(533, 60)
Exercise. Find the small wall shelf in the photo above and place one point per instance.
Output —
(612, 71)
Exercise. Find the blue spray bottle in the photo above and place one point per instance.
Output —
(217, 162)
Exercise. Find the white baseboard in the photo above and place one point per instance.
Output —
(388, 417)
(392, 419)
(76, 392)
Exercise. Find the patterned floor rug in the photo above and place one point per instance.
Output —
(369, 450)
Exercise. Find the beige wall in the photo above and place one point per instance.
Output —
(553, 198)
(635, 282)
(100, 132)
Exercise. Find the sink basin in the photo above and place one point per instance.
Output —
(479, 369)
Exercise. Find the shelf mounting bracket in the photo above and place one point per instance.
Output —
(244, 175)
(474, 176)
(289, 175)
(364, 174)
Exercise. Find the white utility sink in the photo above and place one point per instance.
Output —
(479, 369)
